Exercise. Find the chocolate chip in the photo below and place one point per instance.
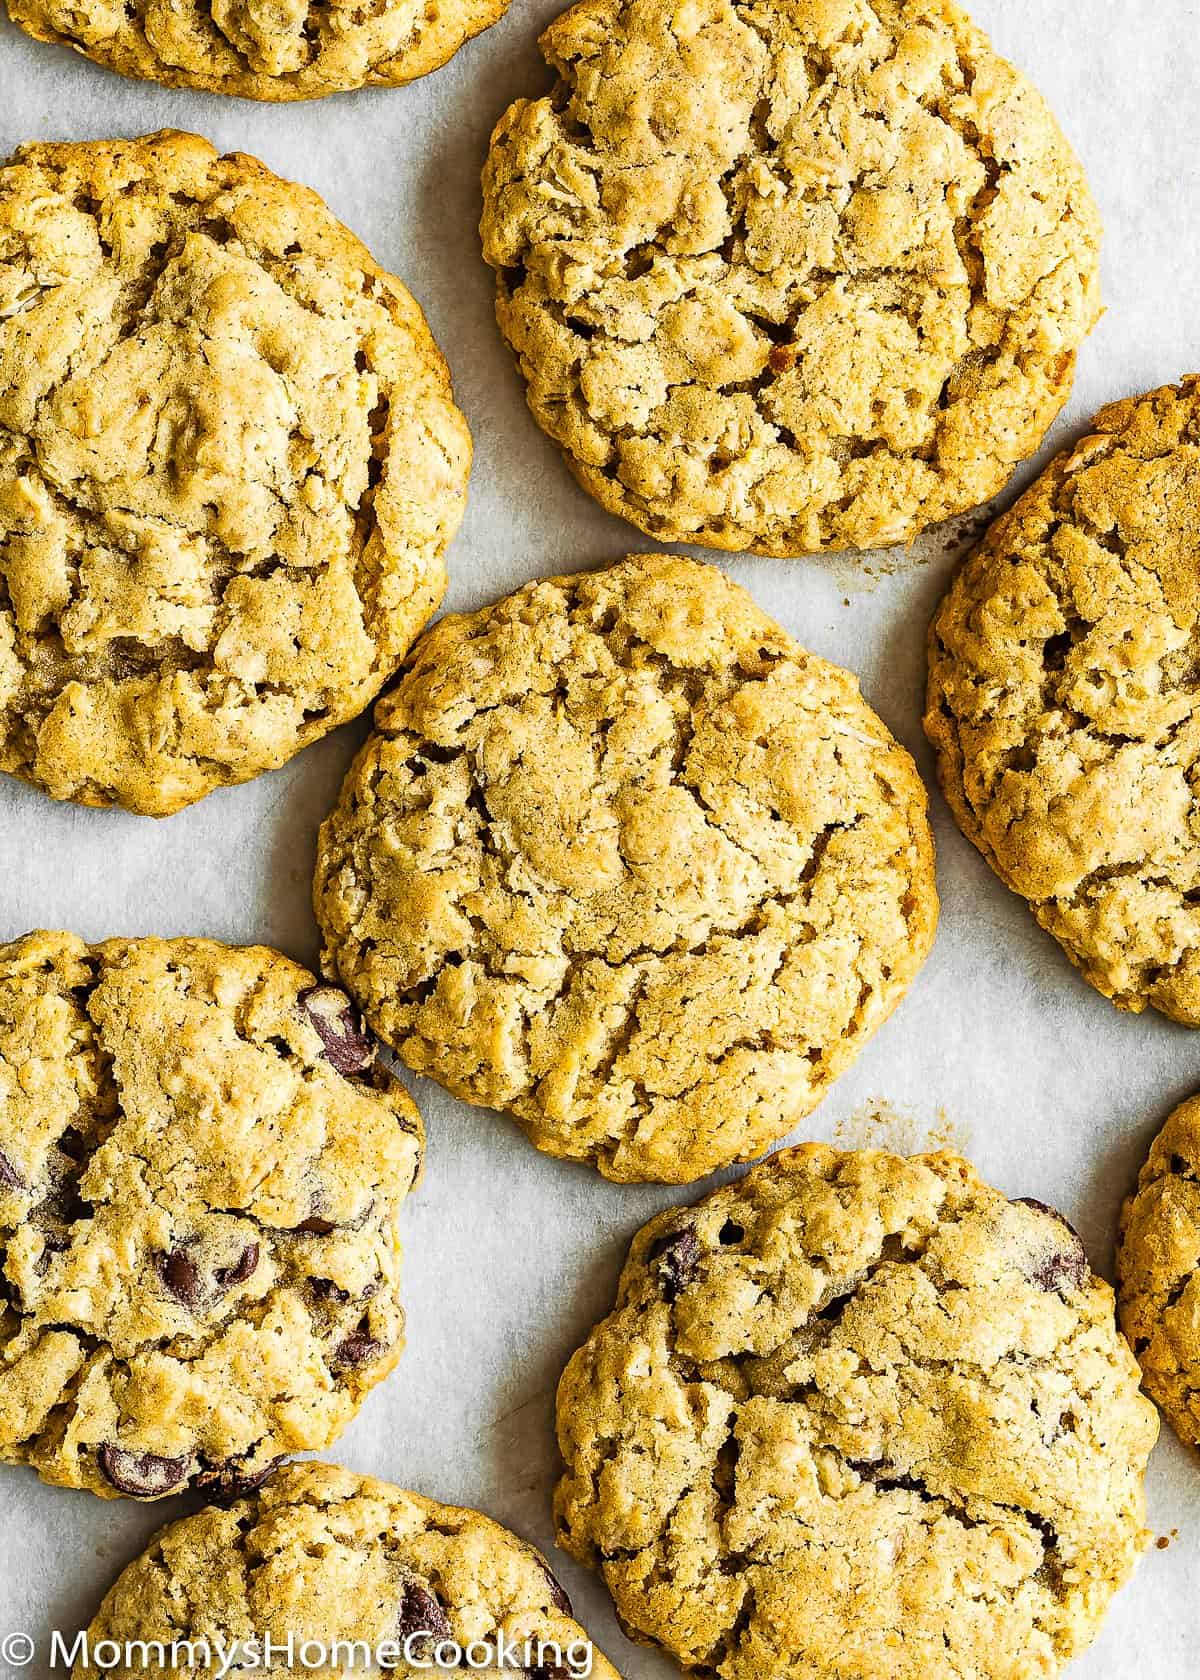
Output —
(544, 1671)
(731, 1232)
(226, 1482)
(420, 1613)
(676, 1255)
(73, 1144)
(9, 1176)
(143, 1475)
(348, 1047)
(227, 1276)
(558, 1596)
(316, 1227)
(1066, 1266)
(326, 1290)
(181, 1276)
(357, 1349)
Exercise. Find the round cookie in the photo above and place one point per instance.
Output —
(298, 51)
(788, 275)
(1158, 1270)
(326, 1556)
(859, 1416)
(230, 463)
(625, 861)
(1063, 690)
(201, 1170)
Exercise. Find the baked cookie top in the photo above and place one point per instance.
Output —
(1063, 687)
(1158, 1267)
(201, 1171)
(624, 860)
(324, 1555)
(788, 275)
(857, 1415)
(298, 50)
(230, 463)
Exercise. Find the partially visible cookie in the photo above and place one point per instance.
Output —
(1064, 680)
(201, 1169)
(230, 464)
(324, 1556)
(788, 275)
(299, 50)
(625, 861)
(1158, 1269)
(859, 1416)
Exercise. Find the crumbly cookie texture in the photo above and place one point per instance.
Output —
(788, 275)
(1158, 1266)
(625, 861)
(201, 1170)
(295, 50)
(321, 1554)
(230, 463)
(1063, 701)
(857, 1416)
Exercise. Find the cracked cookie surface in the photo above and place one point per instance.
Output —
(625, 861)
(201, 1171)
(1158, 1267)
(322, 1554)
(788, 275)
(853, 1416)
(1063, 707)
(295, 50)
(230, 464)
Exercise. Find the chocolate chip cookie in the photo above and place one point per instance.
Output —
(230, 463)
(857, 1415)
(201, 1169)
(1158, 1265)
(322, 1555)
(1064, 675)
(625, 861)
(299, 50)
(788, 275)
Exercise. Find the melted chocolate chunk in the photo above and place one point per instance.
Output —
(316, 1227)
(421, 1614)
(229, 1481)
(245, 1267)
(357, 1349)
(349, 1048)
(180, 1275)
(675, 1255)
(558, 1595)
(142, 1475)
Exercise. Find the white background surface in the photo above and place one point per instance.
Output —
(511, 1256)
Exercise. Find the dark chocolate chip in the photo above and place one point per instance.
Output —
(731, 1232)
(348, 1047)
(143, 1475)
(1066, 1266)
(675, 1255)
(558, 1595)
(9, 1176)
(316, 1227)
(181, 1276)
(420, 1613)
(544, 1671)
(326, 1290)
(357, 1349)
(229, 1481)
(227, 1276)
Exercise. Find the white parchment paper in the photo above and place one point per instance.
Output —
(999, 1048)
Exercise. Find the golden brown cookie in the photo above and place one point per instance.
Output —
(857, 1416)
(1064, 669)
(1158, 1267)
(230, 464)
(201, 1171)
(295, 50)
(788, 275)
(625, 861)
(327, 1559)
